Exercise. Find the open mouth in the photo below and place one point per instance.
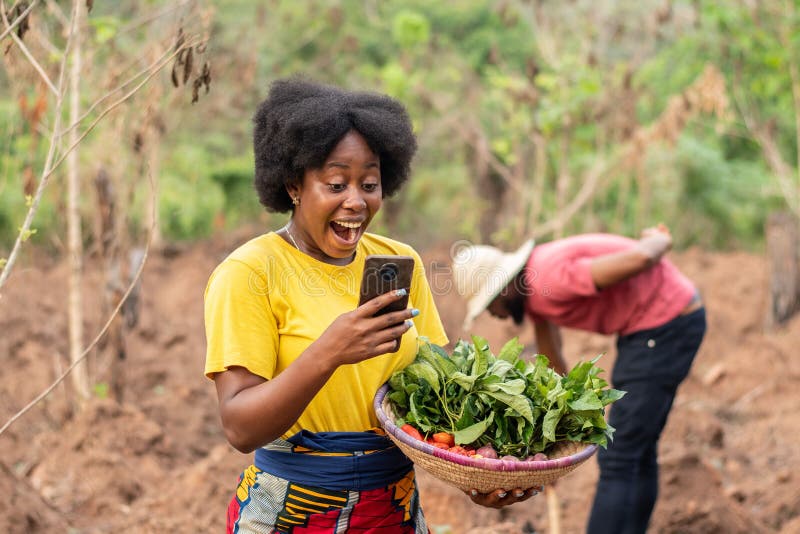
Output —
(346, 230)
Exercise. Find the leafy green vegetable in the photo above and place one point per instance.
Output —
(520, 407)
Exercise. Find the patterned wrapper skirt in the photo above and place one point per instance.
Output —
(342, 482)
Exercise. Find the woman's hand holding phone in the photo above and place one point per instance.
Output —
(382, 316)
(361, 334)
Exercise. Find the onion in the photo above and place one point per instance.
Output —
(487, 451)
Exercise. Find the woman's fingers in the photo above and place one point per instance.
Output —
(390, 338)
(501, 498)
(363, 334)
(371, 307)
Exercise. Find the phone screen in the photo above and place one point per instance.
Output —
(383, 273)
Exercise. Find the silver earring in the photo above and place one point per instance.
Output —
(296, 201)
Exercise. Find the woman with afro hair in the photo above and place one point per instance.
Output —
(294, 358)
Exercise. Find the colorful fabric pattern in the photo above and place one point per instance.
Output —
(265, 504)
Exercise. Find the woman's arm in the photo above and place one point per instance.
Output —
(614, 268)
(548, 342)
(255, 411)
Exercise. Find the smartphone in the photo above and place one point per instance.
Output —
(384, 273)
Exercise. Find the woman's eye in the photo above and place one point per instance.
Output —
(370, 188)
(337, 188)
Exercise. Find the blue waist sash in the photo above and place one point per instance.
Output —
(354, 471)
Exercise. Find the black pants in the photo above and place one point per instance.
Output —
(650, 366)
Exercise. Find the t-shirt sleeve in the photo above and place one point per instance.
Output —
(241, 329)
(428, 322)
(561, 279)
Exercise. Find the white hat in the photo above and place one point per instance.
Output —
(481, 272)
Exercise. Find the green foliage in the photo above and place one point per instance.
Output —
(520, 407)
(707, 199)
(189, 198)
(186, 206)
(104, 28)
(454, 65)
(100, 390)
(410, 29)
(235, 178)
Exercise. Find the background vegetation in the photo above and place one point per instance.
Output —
(533, 117)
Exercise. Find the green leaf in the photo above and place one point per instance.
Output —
(608, 396)
(587, 401)
(471, 433)
(482, 355)
(512, 387)
(519, 404)
(426, 372)
(443, 365)
(465, 381)
(502, 369)
(551, 420)
(511, 351)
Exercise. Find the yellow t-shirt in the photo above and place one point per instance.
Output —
(267, 302)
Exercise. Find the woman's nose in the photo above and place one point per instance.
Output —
(355, 201)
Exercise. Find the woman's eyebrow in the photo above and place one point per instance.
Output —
(343, 165)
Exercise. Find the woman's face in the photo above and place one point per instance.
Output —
(337, 201)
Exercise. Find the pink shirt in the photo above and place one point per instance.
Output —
(562, 292)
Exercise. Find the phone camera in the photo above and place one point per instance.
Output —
(388, 272)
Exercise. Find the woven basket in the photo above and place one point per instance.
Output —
(482, 474)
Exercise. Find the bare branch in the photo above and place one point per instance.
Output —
(28, 55)
(10, 27)
(58, 13)
(45, 42)
(476, 139)
(590, 182)
(48, 168)
(102, 332)
(119, 101)
(770, 151)
(131, 26)
(149, 69)
(795, 78)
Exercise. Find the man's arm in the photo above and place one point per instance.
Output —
(613, 268)
(548, 342)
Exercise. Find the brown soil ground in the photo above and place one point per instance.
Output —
(158, 461)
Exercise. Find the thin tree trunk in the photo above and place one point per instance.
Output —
(783, 254)
(514, 205)
(80, 378)
(564, 180)
(153, 168)
(114, 289)
(537, 192)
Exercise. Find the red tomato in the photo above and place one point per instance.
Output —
(411, 431)
(444, 437)
(458, 450)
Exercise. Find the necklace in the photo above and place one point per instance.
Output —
(291, 237)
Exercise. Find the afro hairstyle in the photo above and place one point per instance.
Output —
(300, 123)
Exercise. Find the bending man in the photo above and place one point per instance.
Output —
(606, 284)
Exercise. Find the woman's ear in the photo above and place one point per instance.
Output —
(294, 191)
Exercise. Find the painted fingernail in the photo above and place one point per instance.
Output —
(474, 493)
(414, 312)
(409, 323)
(402, 292)
(519, 494)
(502, 495)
